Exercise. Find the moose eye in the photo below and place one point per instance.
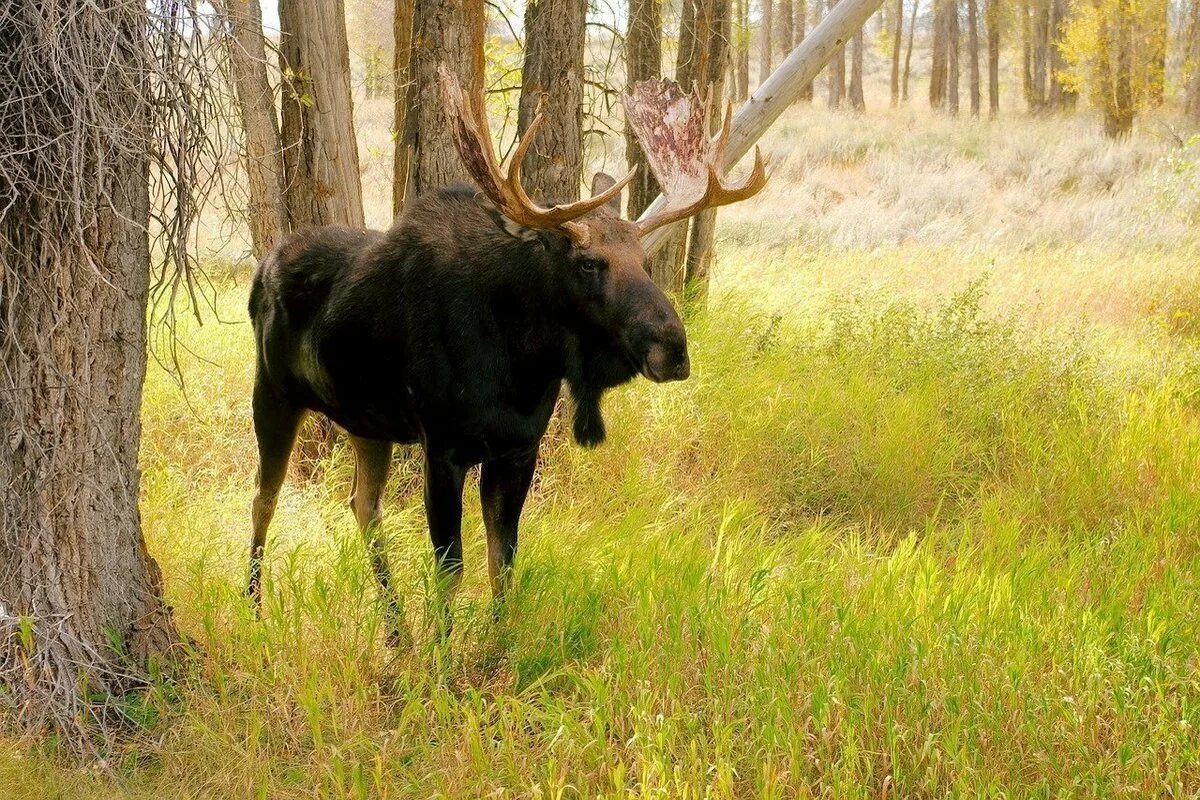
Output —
(591, 266)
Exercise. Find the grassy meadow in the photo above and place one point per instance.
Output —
(923, 522)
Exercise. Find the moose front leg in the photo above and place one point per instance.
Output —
(443, 511)
(503, 486)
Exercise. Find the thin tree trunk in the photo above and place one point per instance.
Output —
(897, 39)
(800, 29)
(787, 31)
(952, 67)
(402, 31)
(1192, 98)
(857, 101)
(939, 52)
(837, 73)
(743, 51)
(1156, 70)
(450, 32)
(912, 27)
(643, 61)
(993, 37)
(764, 54)
(973, 54)
(553, 76)
(81, 611)
(1119, 117)
(262, 159)
(713, 39)
(1065, 96)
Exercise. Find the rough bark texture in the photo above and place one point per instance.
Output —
(449, 31)
(553, 74)
(320, 153)
(912, 27)
(973, 54)
(952, 67)
(897, 38)
(643, 61)
(262, 157)
(742, 57)
(81, 613)
(943, 76)
(402, 30)
(712, 45)
(857, 101)
(993, 37)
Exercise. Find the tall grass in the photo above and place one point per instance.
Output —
(879, 550)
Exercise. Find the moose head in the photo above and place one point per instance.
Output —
(601, 255)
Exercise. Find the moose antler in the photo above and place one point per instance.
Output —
(472, 137)
(672, 128)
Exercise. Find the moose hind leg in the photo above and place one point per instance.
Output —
(503, 486)
(275, 425)
(372, 462)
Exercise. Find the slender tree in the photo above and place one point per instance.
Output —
(742, 54)
(786, 38)
(800, 28)
(643, 61)
(837, 73)
(939, 54)
(764, 31)
(912, 27)
(953, 48)
(857, 101)
(1192, 97)
(973, 54)
(552, 77)
(402, 30)
(897, 39)
(262, 155)
(993, 44)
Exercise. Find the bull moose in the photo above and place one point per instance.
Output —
(457, 327)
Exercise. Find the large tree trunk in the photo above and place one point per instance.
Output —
(912, 27)
(857, 101)
(643, 61)
(973, 54)
(712, 46)
(262, 156)
(553, 76)
(320, 149)
(402, 30)
(764, 54)
(81, 609)
(897, 39)
(320, 154)
(449, 31)
(993, 37)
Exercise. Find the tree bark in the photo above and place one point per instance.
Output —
(262, 157)
(897, 39)
(939, 55)
(952, 66)
(553, 75)
(81, 609)
(837, 73)
(712, 38)
(912, 27)
(993, 37)
(801, 6)
(643, 61)
(787, 30)
(765, 55)
(857, 101)
(973, 54)
(320, 155)
(402, 30)
(1192, 98)
(742, 57)
(449, 31)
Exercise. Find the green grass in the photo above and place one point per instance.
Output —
(869, 549)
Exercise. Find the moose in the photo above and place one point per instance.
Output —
(458, 326)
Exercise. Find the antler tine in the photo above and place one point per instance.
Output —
(715, 194)
(503, 186)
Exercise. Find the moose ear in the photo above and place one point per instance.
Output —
(602, 182)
